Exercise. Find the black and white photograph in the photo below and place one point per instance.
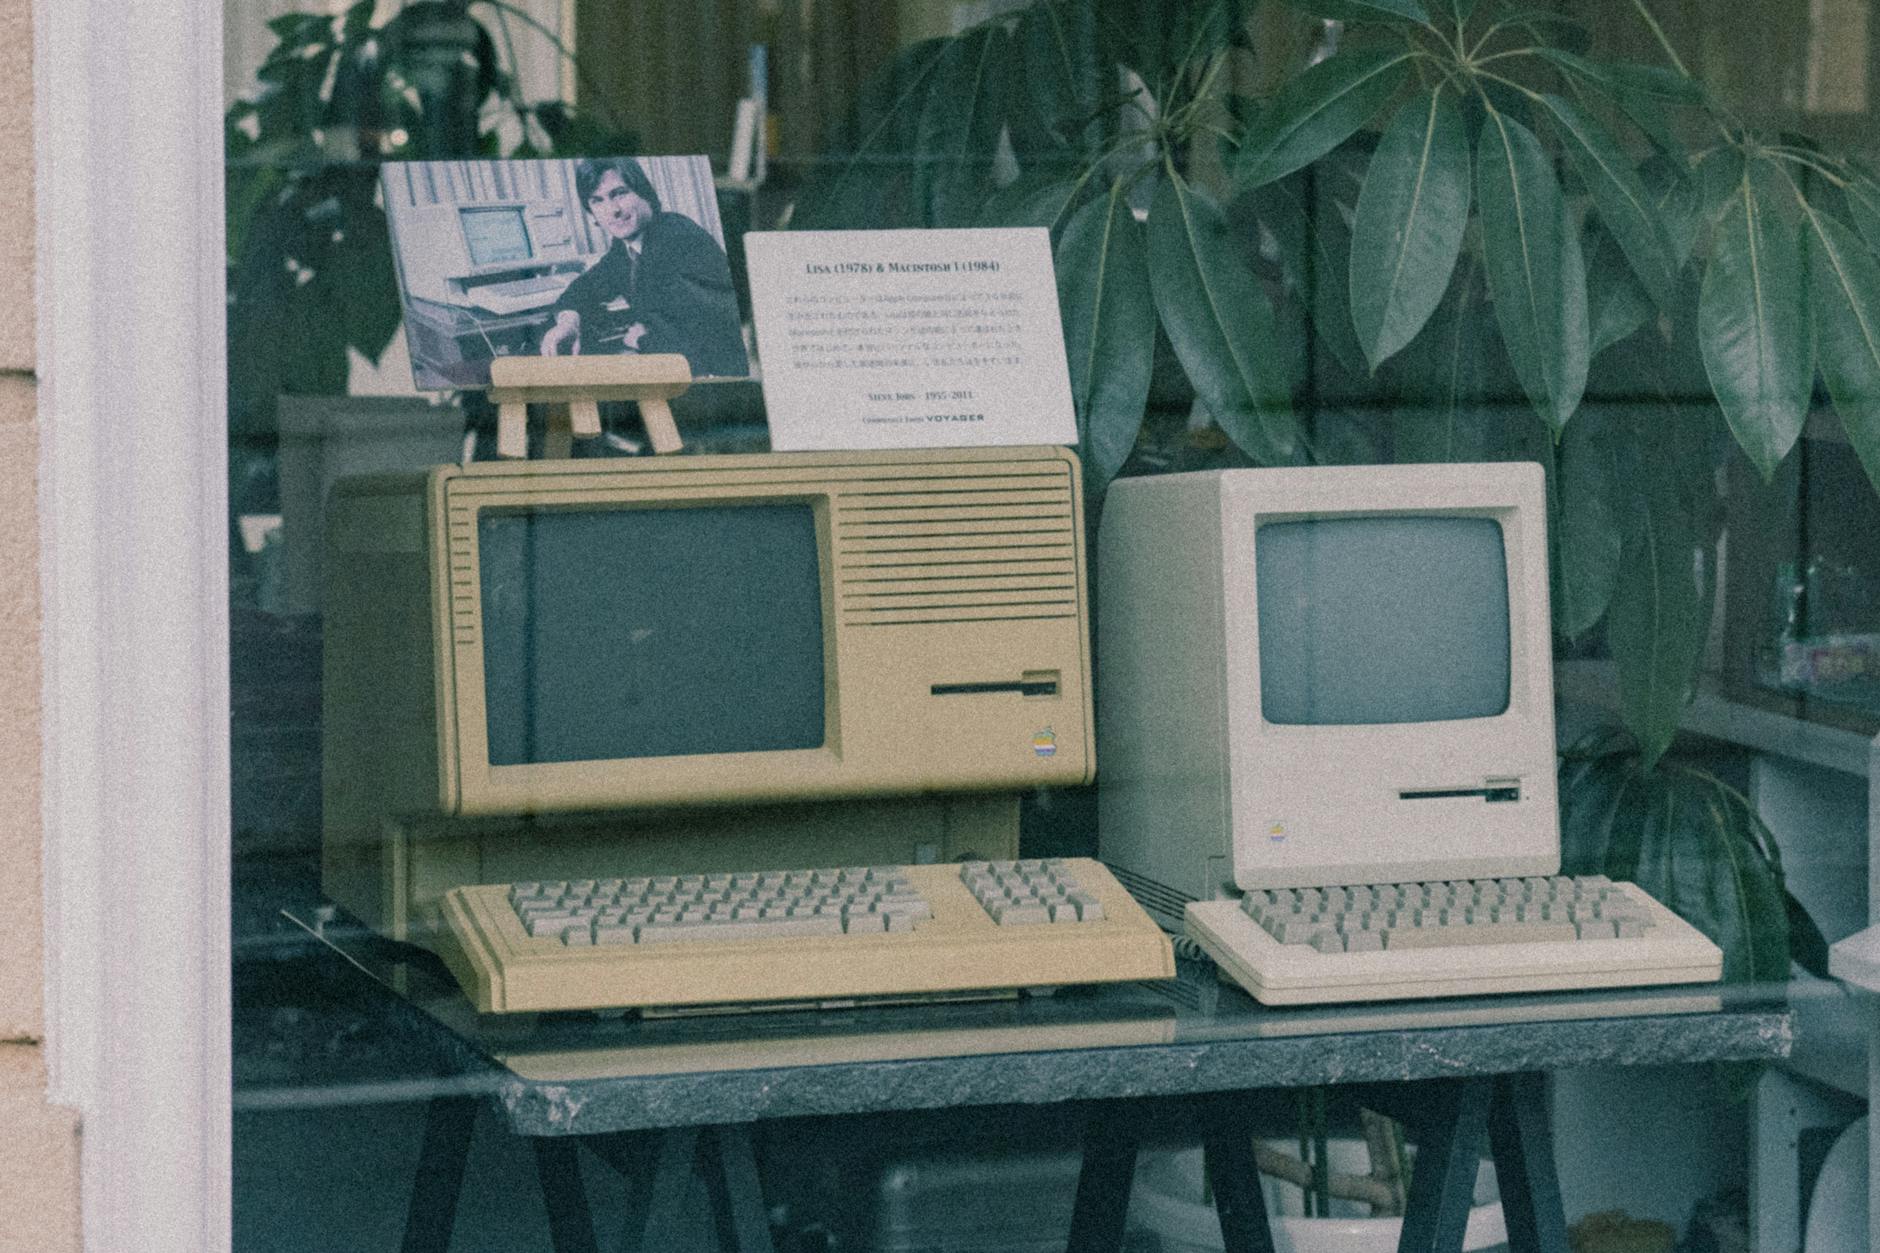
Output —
(604, 255)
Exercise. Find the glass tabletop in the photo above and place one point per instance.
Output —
(1196, 1011)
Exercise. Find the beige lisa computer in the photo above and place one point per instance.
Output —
(670, 732)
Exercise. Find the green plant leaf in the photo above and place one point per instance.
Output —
(1159, 38)
(960, 122)
(1535, 271)
(1845, 282)
(1366, 10)
(1808, 947)
(1863, 209)
(1532, 19)
(1594, 774)
(360, 267)
(1315, 254)
(1031, 200)
(1109, 328)
(1586, 530)
(1647, 114)
(1660, 611)
(358, 20)
(1056, 100)
(1627, 78)
(1713, 875)
(296, 30)
(1462, 9)
(1411, 217)
(1319, 110)
(1718, 177)
(1753, 324)
(1616, 302)
(1625, 207)
(1689, 841)
(1219, 321)
(1674, 196)
(1439, 383)
(865, 182)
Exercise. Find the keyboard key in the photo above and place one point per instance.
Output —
(1481, 933)
(683, 932)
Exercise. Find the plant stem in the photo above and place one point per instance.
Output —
(588, 85)
(1497, 28)
(1446, 67)
(1798, 157)
(512, 85)
(1509, 82)
(1454, 48)
(1659, 32)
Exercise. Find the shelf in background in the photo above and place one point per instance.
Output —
(1835, 737)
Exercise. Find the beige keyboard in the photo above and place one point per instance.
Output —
(1392, 941)
(831, 935)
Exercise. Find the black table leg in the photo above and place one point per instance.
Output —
(558, 1166)
(675, 1153)
(1442, 1187)
(1111, 1137)
(736, 1194)
(448, 1122)
(1227, 1142)
(1524, 1165)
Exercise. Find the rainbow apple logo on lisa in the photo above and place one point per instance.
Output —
(1044, 742)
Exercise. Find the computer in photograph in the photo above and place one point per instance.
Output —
(1325, 697)
(503, 256)
(672, 732)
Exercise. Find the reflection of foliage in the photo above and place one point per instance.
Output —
(1526, 231)
(1436, 243)
(310, 269)
(1696, 845)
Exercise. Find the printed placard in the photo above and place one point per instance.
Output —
(909, 339)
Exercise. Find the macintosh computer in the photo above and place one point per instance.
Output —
(669, 732)
(1325, 700)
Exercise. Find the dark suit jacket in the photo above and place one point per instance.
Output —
(681, 293)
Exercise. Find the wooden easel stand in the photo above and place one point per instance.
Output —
(576, 386)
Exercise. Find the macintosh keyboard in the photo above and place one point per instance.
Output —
(1448, 938)
(764, 937)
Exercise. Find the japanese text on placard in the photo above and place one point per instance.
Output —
(890, 331)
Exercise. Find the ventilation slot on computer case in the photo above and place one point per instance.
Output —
(957, 550)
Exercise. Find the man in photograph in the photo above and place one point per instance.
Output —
(663, 284)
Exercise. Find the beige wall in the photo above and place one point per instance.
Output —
(39, 1149)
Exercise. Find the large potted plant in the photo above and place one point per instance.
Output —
(1502, 246)
(310, 272)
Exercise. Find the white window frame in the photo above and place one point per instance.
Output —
(133, 500)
